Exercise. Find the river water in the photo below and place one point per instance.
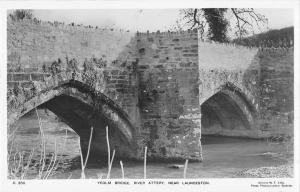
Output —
(223, 156)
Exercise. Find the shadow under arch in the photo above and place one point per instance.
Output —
(227, 112)
(81, 107)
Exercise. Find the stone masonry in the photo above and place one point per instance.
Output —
(162, 90)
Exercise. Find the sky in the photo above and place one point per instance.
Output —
(145, 19)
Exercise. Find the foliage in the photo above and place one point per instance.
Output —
(92, 74)
(214, 22)
(217, 24)
(276, 38)
(55, 67)
(20, 14)
(72, 65)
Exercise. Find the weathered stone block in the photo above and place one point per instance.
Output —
(31, 69)
(21, 77)
(37, 76)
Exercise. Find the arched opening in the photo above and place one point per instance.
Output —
(59, 138)
(79, 108)
(226, 113)
(81, 117)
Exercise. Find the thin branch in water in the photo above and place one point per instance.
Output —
(122, 169)
(185, 168)
(89, 146)
(83, 163)
(145, 162)
(110, 164)
(81, 160)
(70, 176)
(108, 148)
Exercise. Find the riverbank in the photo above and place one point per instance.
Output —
(224, 157)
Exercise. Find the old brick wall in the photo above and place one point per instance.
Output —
(277, 90)
(31, 44)
(34, 46)
(168, 94)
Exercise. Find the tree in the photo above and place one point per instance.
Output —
(216, 21)
(274, 38)
(217, 24)
(20, 14)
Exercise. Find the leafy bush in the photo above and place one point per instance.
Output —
(20, 14)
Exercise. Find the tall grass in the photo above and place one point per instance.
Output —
(18, 169)
(43, 145)
(42, 173)
(27, 166)
(52, 162)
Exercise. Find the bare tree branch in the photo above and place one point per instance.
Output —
(244, 20)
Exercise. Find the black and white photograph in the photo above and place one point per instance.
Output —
(142, 94)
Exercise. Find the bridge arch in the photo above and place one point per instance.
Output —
(228, 111)
(81, 106)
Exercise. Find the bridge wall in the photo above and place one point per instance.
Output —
(41, 55)
(264, 76)
(32, 44)
(169, 94)
(160, 80)
(276, 90)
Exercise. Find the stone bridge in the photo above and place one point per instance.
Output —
(161, 90)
